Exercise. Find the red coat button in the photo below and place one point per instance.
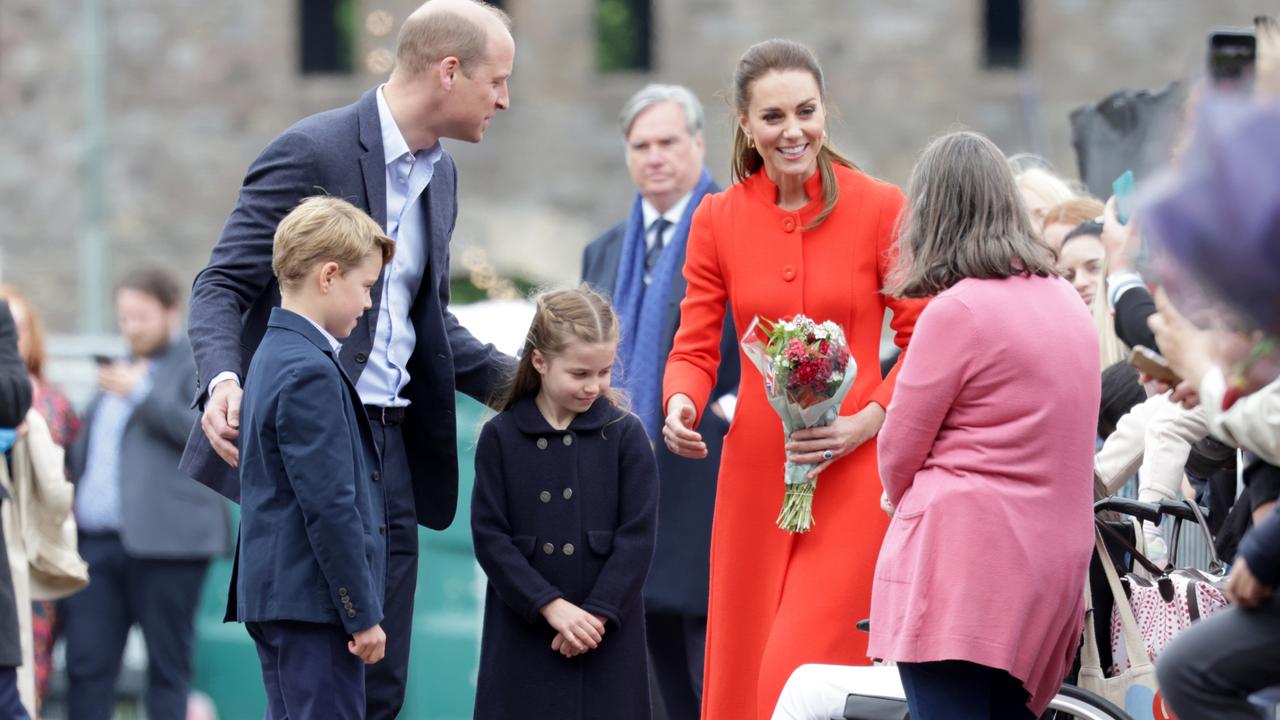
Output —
(788, 273)
(789, 225)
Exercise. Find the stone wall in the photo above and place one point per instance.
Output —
(195, 89)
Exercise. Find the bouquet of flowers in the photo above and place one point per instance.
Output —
(807, 372)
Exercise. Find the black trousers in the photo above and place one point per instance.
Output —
(1211, 668)
(385, 681)
(959, 690)
(308, 672)
(677, 647)
(159, 595)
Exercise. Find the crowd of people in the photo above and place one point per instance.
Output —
(624, 504)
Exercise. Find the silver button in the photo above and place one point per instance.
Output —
(544, 496)
(568, 548)
(568, 493)
(351, 613)
(568, 440)
(548, 548)
(542, 443)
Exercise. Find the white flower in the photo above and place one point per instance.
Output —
(837, 377)
(820, 333)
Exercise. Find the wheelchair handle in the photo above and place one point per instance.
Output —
(1128, 506)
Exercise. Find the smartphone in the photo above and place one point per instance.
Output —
(103, 359)
(1153, 365)
(1122, 188)
(1233, 54)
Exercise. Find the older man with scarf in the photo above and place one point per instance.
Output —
(639, 262)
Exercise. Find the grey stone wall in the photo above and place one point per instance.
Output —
(194, 89)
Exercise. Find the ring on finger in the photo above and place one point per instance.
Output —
(827, 455)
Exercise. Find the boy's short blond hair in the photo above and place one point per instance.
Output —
(325, 229)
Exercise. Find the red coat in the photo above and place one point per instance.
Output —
(778, 600)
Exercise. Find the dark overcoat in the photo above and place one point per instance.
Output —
(678, 582)
(15, 401)
(563, 514)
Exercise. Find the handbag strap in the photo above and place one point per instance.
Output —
(1135, 646)
(1138, 556)
(1089, 656)
(1216, 565)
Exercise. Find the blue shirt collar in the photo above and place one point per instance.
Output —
(394, 147)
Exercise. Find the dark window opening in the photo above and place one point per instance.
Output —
(1002, 26)
(624, 35)
(327, 35)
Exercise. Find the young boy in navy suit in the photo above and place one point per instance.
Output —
(313, 555)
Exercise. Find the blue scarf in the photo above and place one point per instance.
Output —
(642, 310)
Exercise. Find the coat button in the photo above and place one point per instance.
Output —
(789, 273)
(548, 548)
(342, 592)
(382, 530)
(376, 476)
(568, 493)
(789, 224)
(542, 443)
(544, 496)
(568, 440)
(568, 548)
(361, 357)
(351, 613)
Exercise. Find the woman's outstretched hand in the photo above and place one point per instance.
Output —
(678, 432)
(824, 445)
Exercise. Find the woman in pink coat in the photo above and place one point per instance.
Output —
(986, 451)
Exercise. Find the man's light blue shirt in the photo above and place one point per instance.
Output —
(97, 501)
(385, 375)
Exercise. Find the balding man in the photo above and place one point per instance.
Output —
(408, 354)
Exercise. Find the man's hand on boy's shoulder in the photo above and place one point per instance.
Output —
(369, 645)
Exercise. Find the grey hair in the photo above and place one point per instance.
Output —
(964, 218)
(655, 93)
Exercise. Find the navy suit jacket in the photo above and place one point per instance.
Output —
(313, 543)
(678, 578)
(340, 153)
(163, 515)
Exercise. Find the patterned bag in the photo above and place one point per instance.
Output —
(1163, 608)
(1165, 602)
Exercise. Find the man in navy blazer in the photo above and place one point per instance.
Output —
(408, 354)
(662, 125)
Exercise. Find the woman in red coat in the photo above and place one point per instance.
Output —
(801, 231)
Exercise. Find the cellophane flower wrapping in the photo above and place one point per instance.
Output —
(807, 373)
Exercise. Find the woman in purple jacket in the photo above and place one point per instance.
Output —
(986, 451)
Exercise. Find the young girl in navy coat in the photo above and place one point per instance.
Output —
(563, 518)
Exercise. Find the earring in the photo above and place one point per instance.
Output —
(751, 142)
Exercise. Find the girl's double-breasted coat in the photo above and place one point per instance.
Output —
(563, 514)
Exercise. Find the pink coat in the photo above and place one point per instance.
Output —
(986, 452)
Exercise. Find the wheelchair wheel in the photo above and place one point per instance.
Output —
(1072, 703)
